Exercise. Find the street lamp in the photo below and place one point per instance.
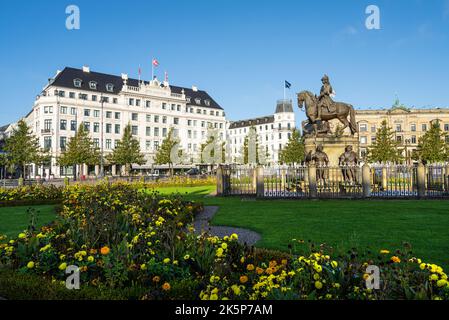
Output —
(102, 100)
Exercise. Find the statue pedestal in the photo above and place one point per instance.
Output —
(333, 146)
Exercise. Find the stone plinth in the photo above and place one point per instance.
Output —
(333, 146)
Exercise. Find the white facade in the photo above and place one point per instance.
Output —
(151, 108)
(273, 132)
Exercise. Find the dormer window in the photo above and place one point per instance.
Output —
(188, 99)
(77, 83)
(110, 87)
(207, 102)
(93, 85)
(198, 101)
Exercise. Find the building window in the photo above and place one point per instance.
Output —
(413, 127)
(137, 102)
(63, 110)
(147, 145)
(134, 116)
(156, 132)
(108, 128)
(399, 138)
(373, 129)
(134, 130)
(110, 87)
(424, 127)
(363, 140)
(173, 106)
(363, 127)
(414, 139)
(148, 131)
(96, 143)
(108, 114)
(164, 105)
(164, 132)
(164, 119)
(117, 115)
(47, 125)
(73, 125)
(82, 96)
(93, 85)
(114, 100)
(48, 109)
(207, 103)
(156, 145)
(156, 119)
(77, 83)
(47, 143)
(73, 111)
(148, 118)
(398, 128)
(96, 113)
(87, 126)
(175, 120)
(96, 127)
(117, 129)
(63, 125)
(446, 127)
(72, 95)
(62, 143)
(131, 101)
(87, 112)
(94, 97)
(108, 143)
(148, 103)
(198, 101)
(178, 107)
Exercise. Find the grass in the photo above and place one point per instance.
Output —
(342, 224)
(14, 220)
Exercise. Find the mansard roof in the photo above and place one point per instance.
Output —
(251, 122)
(65, 79)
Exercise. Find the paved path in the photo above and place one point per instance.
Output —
(201, 224)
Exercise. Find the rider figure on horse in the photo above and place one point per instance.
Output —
(325, 100)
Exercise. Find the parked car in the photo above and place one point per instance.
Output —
(193, 172)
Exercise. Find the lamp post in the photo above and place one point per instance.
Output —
(101, 138)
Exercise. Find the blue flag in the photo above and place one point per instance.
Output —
(287, 84)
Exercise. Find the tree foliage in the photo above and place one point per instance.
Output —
(385, 148)
(22, 146)
(127, 151)
(80, 150)
(432, 146)
(293, 152)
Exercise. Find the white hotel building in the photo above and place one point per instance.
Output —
(105, 104)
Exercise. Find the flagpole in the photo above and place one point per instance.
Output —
(152, 69)
(284, 90)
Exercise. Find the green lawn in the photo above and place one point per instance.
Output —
(342, 224)
(14, 220)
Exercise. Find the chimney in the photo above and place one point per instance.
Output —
(86, 69)
(195, 88)
(124, 76)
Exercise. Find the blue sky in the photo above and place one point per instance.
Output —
(239, 51)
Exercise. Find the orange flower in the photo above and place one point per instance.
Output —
(273, 264)
(156, 279)
(250, 267)
(243, 279)
(166, 286)
(259, 270)
(395, 259)
(105, 250)
(93, 251)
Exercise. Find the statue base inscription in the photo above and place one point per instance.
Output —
(334, 147)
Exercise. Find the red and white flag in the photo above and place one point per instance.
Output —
(155, 63)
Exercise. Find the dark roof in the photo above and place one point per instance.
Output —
(284, 106)
(65, 79)
(251, 122)
(3, 128)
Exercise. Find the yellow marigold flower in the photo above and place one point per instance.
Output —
(219, 252)
(336, 285)
(384, 251)
(316, 276)
(234, 236)
(213, 297)
(334, 264)
(166, 286)
(243, 279)
(175, 262)
(166, 260)
(318, 268)
(62, 266)
(90, 258)
(395, 259)
(328, 296)
(318, 285)
(62, 257)
(105, 250)
(22, 235)
(259, 270)
(143, 266)
(30, 265)
(366, 276)
(250, 267)
(422, 266)
(45, 248)
(224, 245)
(156, 279)
(236, 289)
(242, 260)
(441, 283)
(186, 257)
(433, 277)
(40, 235)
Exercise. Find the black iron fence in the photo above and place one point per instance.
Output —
(329, 182)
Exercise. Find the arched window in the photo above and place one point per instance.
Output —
(77, 83)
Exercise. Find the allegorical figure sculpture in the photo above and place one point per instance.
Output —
(349, 161)
(323, 108)
(321, 160)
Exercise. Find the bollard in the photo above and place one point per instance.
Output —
(220, 188)
(313, 190)
(366, 180)
(421, 177)
(384, 178)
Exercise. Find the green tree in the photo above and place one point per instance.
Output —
(432, 146)
(164, 153)
(22, 146)
(293, 152)
(80, 150)
(127, 151)
(211, 136)
(385, 148)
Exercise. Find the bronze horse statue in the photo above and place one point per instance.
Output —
(343, 110)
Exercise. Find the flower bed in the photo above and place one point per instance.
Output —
(120, 238)
(34, 194)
